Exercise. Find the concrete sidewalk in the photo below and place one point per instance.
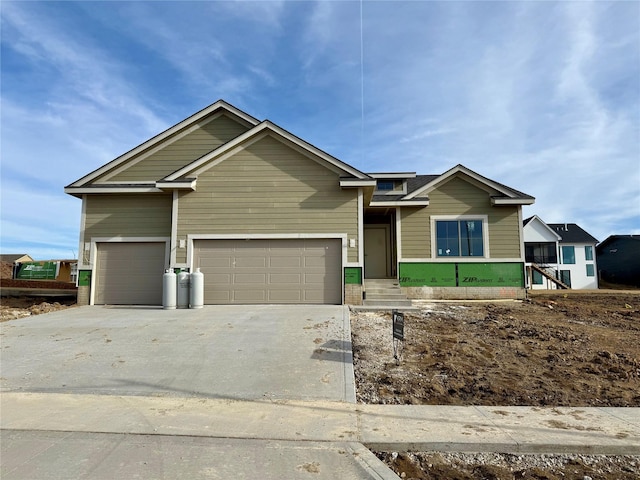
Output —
(614, 431)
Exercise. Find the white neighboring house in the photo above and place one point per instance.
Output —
(559, 255)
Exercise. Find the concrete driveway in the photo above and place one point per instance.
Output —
(226, 352)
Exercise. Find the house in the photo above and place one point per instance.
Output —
(619, 260)
(11, 263)
(15, 258)
(559, 255)
(269, 218)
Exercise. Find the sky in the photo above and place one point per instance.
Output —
(541, 96)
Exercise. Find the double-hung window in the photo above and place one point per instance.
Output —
(460, 238)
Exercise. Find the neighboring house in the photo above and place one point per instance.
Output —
(269, 218)
(559, 255)
(14, 259)
(619, 260)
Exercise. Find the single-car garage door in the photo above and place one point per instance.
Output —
(129, 273)
(270, 271)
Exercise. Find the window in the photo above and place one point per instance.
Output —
(459, 238)
(541, 253)
(565, 277)
(588, 253)
(590, 270)
(568, 255)
(537, 277)
(385, 185)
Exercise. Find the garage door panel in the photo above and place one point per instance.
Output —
(249, 261)
(285, 262)
(286, 271)
(284, 278)
(285, 296)
(249, 296)
(129, 273)
(249, 278)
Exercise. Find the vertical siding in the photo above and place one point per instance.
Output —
(459, 197)
(207, 137)
(268, 188)
(142, 215)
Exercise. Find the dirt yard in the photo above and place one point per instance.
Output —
(565, 349)
(19, 307)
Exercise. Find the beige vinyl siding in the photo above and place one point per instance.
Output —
(459, 197)
(142, 215)
(268, 188)
(207, 137)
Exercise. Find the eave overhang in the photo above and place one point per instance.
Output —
(357, 182)
(182, 184)
(79, 191)
(401, 203)
(393, 175)
(497, 201)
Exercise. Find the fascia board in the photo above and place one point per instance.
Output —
(465, 170)
(179, 185)
(401, 203)
(88, 190)
(512, 201)
(357, 183)
(162, 136)
(394, 175)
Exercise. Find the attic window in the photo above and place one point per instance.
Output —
(385, 185)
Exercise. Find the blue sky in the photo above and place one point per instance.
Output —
(541, 96)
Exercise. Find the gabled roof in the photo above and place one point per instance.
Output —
(419, 186)
(260, 131)
(536, 218)
(507, 195)
(185, 124)
(572, 233)
(13, 257)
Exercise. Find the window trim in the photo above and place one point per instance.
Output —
(593, 270)
(485, 236)
(399, 186)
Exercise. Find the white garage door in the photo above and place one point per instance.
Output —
(129, 273)
(270, 271)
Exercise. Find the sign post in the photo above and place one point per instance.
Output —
(398, 333)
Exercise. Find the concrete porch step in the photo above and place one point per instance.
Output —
(387, 302)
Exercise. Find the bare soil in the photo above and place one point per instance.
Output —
(561, 349)
(12, 308)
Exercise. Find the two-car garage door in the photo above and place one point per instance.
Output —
(270, 270)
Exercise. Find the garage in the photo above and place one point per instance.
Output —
(278, 271)
(129, 273)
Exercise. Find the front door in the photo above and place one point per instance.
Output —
(376, 251)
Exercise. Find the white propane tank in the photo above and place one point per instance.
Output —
(197, 289)
(169, 290)
(183, 290)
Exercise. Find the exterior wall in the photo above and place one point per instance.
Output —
(579, 279)
(141, 215)
(464, 293)
(268, 188)
(209, 135)
(459, 197)
(619, 260)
